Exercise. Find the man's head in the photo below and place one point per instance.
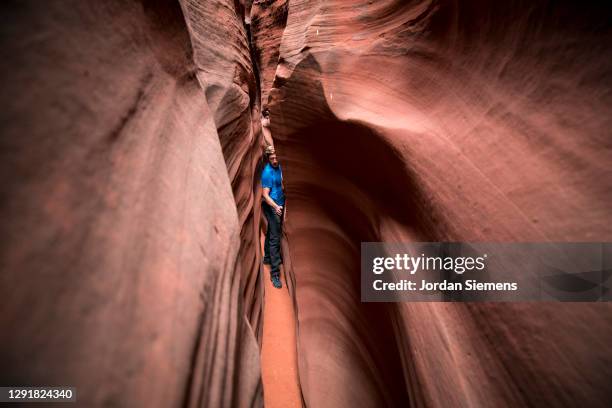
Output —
(265, 118)
(271, 156)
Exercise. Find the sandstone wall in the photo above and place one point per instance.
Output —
(441, 120)
(121, 239)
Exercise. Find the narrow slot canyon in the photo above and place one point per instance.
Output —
(132, 233)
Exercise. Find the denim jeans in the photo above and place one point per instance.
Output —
(272, 244)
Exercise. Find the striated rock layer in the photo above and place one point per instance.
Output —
(125, 128)
(222, 55)
(442, 120)
(268, 20)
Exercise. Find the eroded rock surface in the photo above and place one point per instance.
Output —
(426, 121)
(121, 239)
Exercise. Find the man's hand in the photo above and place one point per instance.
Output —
(279, 210)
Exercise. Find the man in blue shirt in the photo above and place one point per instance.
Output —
(274, 209)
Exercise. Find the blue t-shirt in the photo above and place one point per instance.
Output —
(272, 178)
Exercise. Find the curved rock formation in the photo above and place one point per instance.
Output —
(268, 21)
(222, 55)
(424, 120)
(121, 239)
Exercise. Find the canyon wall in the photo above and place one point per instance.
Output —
(127, 141)
(453, 121)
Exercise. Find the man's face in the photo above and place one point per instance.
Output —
(273, 160)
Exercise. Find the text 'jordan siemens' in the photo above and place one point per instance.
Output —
(412, 264)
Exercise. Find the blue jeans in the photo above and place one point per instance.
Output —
(272, 244)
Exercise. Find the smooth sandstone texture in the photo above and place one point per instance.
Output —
(268, 21)
(222, 55)
(121, 245)
(425, 121)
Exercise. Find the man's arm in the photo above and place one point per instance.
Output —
(267, 133)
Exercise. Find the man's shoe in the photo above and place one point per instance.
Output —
(276, 282)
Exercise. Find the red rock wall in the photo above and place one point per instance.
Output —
(268, 21)
(125, 127)
(222, 55)
(423, 120)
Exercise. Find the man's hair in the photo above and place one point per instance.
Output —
(269, 150)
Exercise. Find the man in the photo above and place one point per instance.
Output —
(273, 207)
